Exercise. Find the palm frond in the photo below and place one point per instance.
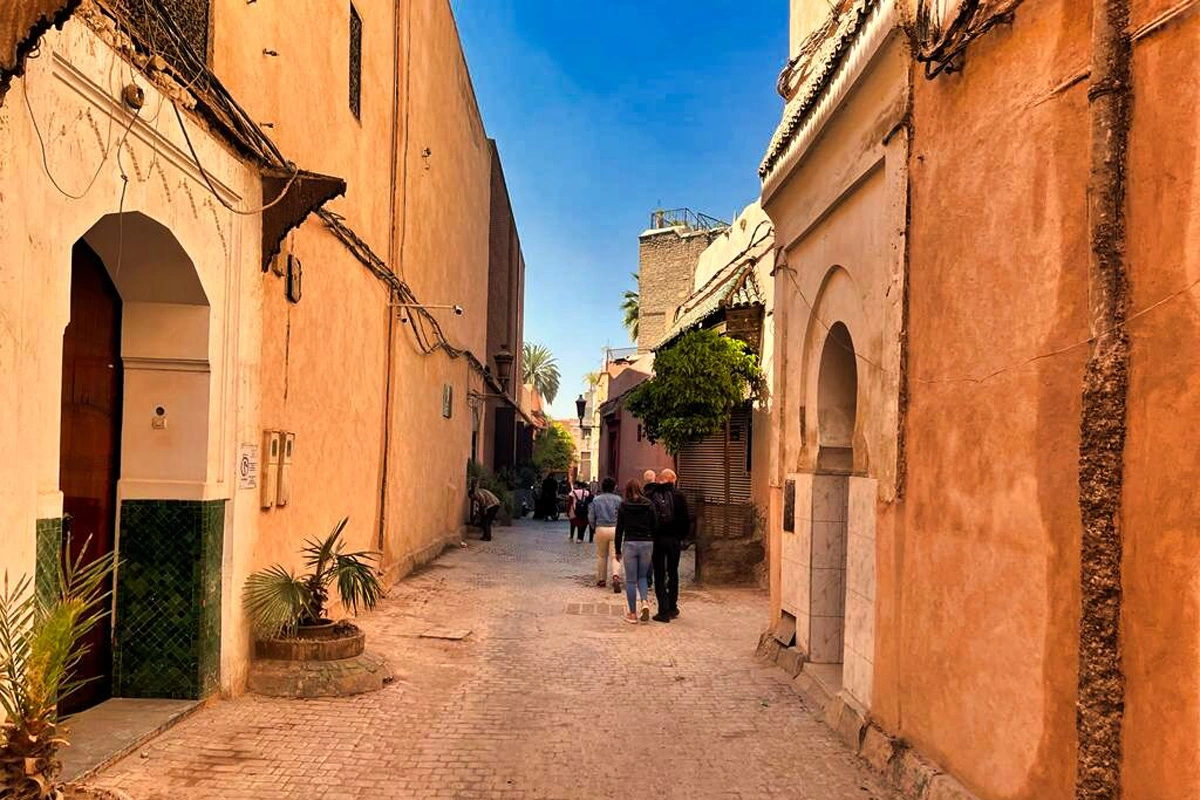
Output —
(276, 600)
(318, 555)
(356, 580)
(630, 310)
(540, 368)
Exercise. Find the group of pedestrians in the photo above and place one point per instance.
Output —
(641, 533)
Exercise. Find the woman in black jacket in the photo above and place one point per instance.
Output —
(634, 543)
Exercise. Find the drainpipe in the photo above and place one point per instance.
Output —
(385, 466)
(1101, 699)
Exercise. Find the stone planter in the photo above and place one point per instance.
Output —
(325, 642)
(325, 660)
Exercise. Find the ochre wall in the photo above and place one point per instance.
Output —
(1161, 570)
(443, 230)
(325, 358)
(978, 578)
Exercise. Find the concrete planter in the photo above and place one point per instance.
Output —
(325, 660)
(325, 642)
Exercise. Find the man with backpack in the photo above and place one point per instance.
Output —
(671, 511)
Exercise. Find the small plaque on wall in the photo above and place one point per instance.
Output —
(248, 466)
(447, 400)
(789, 506)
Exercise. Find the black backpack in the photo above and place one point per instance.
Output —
(582, 504)
(663, 500)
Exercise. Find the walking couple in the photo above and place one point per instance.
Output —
(647, 528)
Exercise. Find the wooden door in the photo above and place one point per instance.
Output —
(91, 444)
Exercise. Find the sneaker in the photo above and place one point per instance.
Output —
(631, 618)
(616, 586)
(674, 613)
(645, 615)
(661, 617)
(601, 584)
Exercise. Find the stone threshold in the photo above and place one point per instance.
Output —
(911, 774)
(104, 734)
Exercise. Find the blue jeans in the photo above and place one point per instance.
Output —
(637, 559)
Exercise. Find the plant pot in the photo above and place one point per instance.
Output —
(327, 641)
(323, 629)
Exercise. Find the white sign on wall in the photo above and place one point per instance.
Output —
(247, 467)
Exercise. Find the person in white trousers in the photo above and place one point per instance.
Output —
(602, 516)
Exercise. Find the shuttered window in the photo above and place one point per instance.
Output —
(702, 465)
(355, 62)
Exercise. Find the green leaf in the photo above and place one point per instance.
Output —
(697, 384)
(276, 600)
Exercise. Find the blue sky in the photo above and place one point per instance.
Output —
(603, 112)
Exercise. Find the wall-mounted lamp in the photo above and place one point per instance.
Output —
(504, 362)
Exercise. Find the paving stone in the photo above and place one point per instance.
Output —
(537, 702)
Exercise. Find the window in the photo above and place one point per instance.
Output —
(639, 432)
(355, 63)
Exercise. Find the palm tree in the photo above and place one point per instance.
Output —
(629, 307)
(540, 369)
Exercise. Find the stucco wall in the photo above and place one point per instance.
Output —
(1161, 620)
(73, 88)
(990, 524)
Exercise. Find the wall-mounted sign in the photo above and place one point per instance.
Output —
(247, 466)
(447, 400)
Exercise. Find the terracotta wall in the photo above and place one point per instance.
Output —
(978, 618)
(1161, 621)
(325, 358)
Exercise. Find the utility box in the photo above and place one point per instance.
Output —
(272, 441)
(286, 445)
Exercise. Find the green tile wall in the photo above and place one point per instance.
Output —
(49, 551)
(168, 623)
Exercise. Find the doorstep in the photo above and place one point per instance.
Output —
(110, 731)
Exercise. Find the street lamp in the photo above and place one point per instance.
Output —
(504, 362)
(581, 409)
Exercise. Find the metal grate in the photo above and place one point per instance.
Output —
(355, 62)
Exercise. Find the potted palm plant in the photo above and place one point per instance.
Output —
(41, 642)
(288, 611)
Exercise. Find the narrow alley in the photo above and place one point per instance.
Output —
(550, 696)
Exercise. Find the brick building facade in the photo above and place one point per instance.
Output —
(667, 259)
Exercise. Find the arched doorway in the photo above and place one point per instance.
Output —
(837, 406)
(134, 458)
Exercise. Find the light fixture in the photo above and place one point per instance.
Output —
(581, 410)
(504, 362)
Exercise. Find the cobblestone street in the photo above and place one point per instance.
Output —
(551, 695)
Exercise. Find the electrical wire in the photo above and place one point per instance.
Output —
(42, 142)
(213, 189)
(1000, 371)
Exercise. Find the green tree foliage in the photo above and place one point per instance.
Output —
(540, 368)
(630, 307)
(697, 383)
(554, 450)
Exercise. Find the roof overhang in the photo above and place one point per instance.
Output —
(299, 194)
(22, 24)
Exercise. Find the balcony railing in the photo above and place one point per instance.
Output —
(684, 218)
